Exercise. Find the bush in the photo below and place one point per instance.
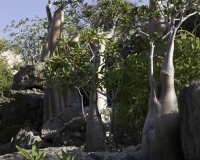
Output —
(6, 76)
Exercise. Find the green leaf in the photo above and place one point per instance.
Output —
(40, 156)
(35, 150)
(25, 153)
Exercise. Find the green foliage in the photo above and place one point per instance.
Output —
(186, 59)
(35, 152)
(82, 148)
(125, 71)
(4, 45)
(71, 63)
(132, 100)
(6, 76)
(65, 156)
(28, 37)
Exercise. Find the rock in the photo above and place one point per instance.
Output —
(131, 149)
(53, 127)
(14, 113)
(68, 114)
(4, 149)
(116, 156)
(189, 110)
(72, 134)
(24, 139)
(24, 105)
(28, 77)
(50, 154)
(35, 111)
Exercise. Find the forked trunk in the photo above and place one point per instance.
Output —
(160, 137)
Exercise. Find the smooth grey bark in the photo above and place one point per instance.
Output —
(55, 100)
(160, 136)
(98, 105)
(95, 135)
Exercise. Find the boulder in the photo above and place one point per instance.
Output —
(24, 105)
(51, 129)
(24, 139)
(131, 149)
(72, 133)
(14, 113)
(68, 114)
(189, 110)
(54, 126)
(29, 77)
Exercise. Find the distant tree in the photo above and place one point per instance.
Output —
(28, 37)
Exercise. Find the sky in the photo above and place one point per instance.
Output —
(22, 9)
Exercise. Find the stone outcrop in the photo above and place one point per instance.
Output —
(29, 77)
(50, 154)
(68, 128)
(24, 105)
(24, 139)
(51, 129)
(72, 133)
(189, 109)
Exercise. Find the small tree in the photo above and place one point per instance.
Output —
(28, 37)
(160, 138)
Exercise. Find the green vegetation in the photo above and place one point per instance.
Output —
(126, 58)
(35, 152)
(6, 76)
(65, 156)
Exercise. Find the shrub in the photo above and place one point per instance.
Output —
(6, 76)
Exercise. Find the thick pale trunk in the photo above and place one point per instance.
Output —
(45, 48)
(56, 30)
(160, 137)
(55, 101)
(95, 136)
(102, 99)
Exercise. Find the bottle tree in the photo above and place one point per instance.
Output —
(160, 137)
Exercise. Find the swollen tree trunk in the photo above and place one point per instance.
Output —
(160, 137)
(95, 135)
(54, 100)
(102, 99)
